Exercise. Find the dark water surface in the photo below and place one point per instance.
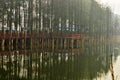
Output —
(90, 64)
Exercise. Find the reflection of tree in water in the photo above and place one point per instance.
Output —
(10, 70)
(82, 67)
(59, 66)
(3, 74)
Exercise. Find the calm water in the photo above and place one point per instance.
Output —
(116, 68)
(90, 64)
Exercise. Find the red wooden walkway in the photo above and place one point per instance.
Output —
(40, 35)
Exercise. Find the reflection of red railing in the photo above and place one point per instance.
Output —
(28, 35)
(27, 52)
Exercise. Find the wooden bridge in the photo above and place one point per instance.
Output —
(41, 42)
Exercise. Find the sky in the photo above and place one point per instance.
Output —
(114, 4)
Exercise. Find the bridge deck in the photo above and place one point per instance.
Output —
(40, 35)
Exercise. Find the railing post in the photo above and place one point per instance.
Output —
(65, 43)
(53, 44)
(72, 43)
(3, 44)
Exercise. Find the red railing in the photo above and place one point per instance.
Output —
(27, 35)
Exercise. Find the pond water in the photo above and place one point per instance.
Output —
(91, 64)
(116, 69)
